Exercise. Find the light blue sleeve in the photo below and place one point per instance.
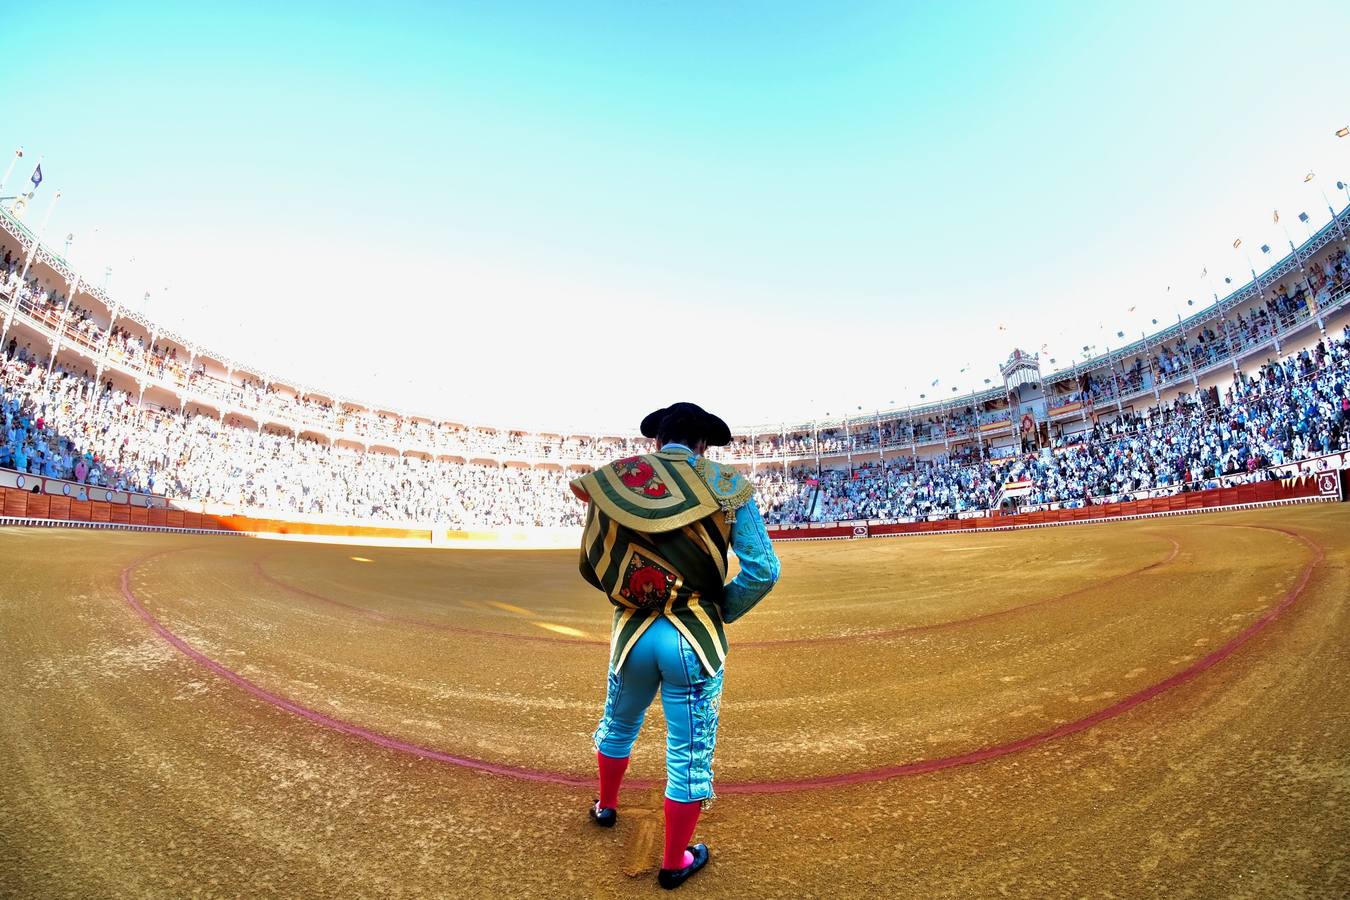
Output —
(759, 564)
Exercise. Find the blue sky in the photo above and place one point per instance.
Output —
(566, 214)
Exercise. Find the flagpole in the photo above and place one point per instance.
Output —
(881, 454)
(1313, 308)
(19, 195)
(913, 446)
(1261, 289)
(1335, 218)
(848, 446)
(1119, 383)
(107, 342)
(28, 261)
(9, 170)
(73, 289)
(815, 442)
(1236, 350)
(1223, 313)
(979, 435)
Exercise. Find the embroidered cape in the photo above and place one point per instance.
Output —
(656, 538)
(663, 491)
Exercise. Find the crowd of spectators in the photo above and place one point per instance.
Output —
(1278, 307)
(62, 424)
(1167, 363)
(1286, 412)
(786, 496)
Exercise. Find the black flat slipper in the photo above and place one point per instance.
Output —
(670, 879)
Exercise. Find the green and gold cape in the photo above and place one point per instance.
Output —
(656, 538)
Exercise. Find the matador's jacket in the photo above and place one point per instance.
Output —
(656, 537)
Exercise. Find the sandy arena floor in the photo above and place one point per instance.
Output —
(1153, 708)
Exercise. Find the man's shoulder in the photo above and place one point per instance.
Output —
(729, 486)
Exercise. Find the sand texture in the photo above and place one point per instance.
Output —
(1156, 708)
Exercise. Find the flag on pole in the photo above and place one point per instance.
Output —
(1265, 248)
(1309, 177)
(1303, 217)
(37, 176)
(1237, 243)
(935, 381)
(1277, 217)
(1205, 273)
(1343, 132)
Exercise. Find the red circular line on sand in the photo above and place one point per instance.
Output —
(1110, 712)
(919, 767)
(770, 642)
(983, 617)
(319, 718)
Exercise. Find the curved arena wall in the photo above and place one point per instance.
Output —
(49, 502)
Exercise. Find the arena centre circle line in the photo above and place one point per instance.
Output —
(844, 779)
(769, 642)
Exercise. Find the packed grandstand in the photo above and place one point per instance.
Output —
(1258, 380)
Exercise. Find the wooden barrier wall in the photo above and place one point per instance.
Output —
(21, 504)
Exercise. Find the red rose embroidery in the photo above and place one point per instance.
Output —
(646, 586)
(637, 474)
(646, 583)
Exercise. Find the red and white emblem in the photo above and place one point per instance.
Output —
(646, 582)
(638, 475)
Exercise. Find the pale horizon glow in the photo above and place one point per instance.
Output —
(561, 217)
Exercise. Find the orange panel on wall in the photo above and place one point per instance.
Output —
(58, 507)
(16, 503)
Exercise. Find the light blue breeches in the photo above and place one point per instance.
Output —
(662, 658)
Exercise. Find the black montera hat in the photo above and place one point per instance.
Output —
(687, 420)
